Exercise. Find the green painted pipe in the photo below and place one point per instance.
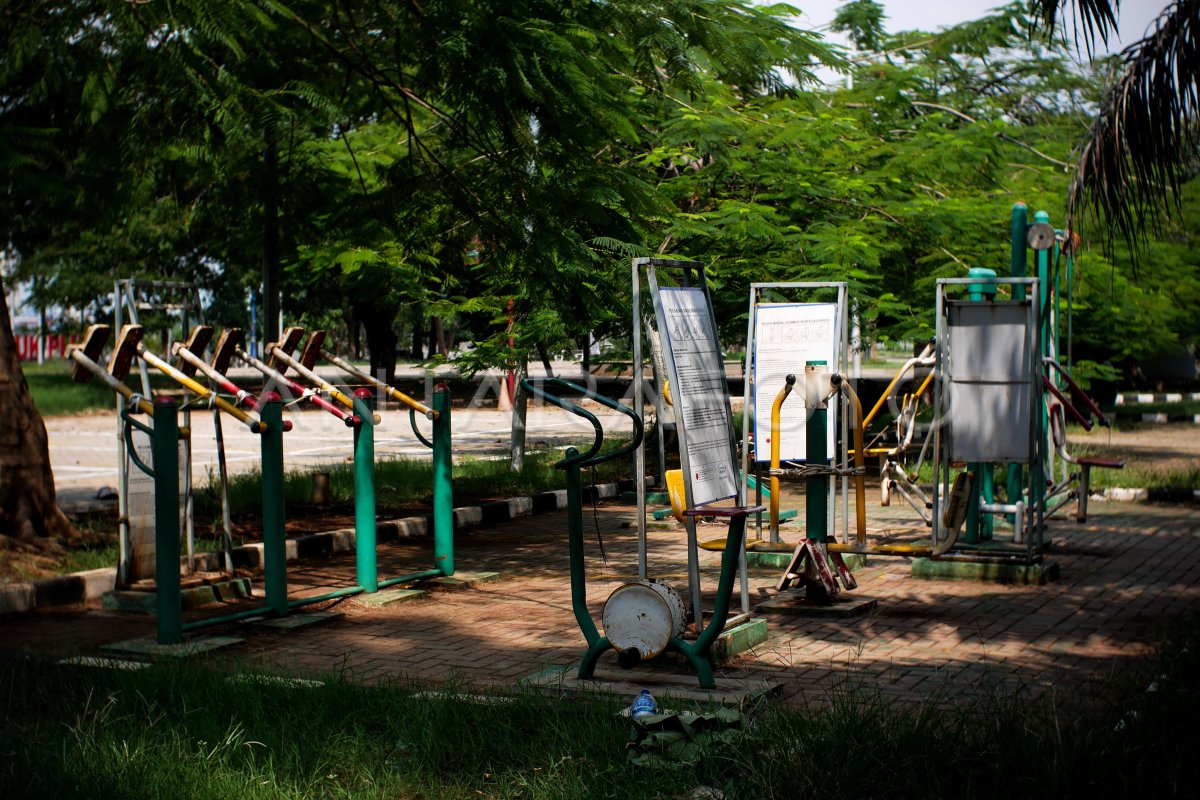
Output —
(274, 540)
(575, 550)
(364, 494)
(816, 487)
(443, 483)
(349, 591)
(261, 611)
(1020, 246)
(415, 576)
(1020, 229)
(165, 450)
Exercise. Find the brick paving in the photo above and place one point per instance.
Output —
(1129, 570)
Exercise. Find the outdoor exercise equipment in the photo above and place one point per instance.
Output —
(789, 323)
(230, 341)
(683, 338)
(438, 442)
(163, 301)
(646, 617)
(364, 471)
(165, 434)
(190, 354)
(281, 359)
(988, 354)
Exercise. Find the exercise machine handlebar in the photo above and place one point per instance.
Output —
(203, 391)
(278, 353)
(412, 403)
(241, 396)
(143, 405)
(351, 420)
(588, 457)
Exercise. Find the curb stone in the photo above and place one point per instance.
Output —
(80, 587)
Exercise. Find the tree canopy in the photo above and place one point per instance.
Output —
(492, 165)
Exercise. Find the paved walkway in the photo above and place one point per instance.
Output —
(1130, 569)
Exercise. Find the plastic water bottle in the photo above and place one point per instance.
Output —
(643, 705)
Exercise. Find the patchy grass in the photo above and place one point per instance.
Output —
(180, 729)
(55, 393)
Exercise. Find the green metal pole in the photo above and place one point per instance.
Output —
(1020, 229)
(274, 541)
(443, 483)
(816, 487)
(978, 525)
(364, 494)
(575, 551)
(165, 451)
(1044, 286)
(1019, 232)
(1044, 298)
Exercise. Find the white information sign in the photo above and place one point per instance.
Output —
(786, 335)
(699, 392)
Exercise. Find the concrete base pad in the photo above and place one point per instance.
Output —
(294, 622)
(463, 579)
(387, 597)
(149, 648)
(143, 601)
(626, 684)
(985, 572)
(842, 605)
(739, 639)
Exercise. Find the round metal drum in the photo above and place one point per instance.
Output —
(643, 615)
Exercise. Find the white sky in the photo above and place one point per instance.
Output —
(1133, 19)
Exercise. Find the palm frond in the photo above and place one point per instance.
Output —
(1138, 150)
(1094, 19)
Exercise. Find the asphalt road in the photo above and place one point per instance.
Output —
(83, 448)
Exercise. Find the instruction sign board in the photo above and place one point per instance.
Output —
(786, 335)
(699, 392)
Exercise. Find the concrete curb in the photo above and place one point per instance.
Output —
(80, 587)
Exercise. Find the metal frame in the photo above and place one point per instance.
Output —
(692, 275)
(125, 299)
(1034, 523)
(841, 336)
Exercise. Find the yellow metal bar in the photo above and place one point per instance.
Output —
(911, 363)
(776, 409)
(860, 461)
(392, 391)
(315, 379)
(883, 549)
(143, 404)
(200, 389)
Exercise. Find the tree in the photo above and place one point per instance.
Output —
(29, 513)
(1141, 147)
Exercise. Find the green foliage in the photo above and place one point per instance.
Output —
(368, 149)
(862, 20)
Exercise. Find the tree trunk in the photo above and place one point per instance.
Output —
(270, 267)
(437, 339)
(418, 322)
(355, 333)
(544, 355)
(381, 340)
(29, 511)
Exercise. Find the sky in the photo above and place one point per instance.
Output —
(1134, 17)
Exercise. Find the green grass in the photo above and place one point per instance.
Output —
(55, 393)
(405, 483)
(184, 731)
(1138, 476)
